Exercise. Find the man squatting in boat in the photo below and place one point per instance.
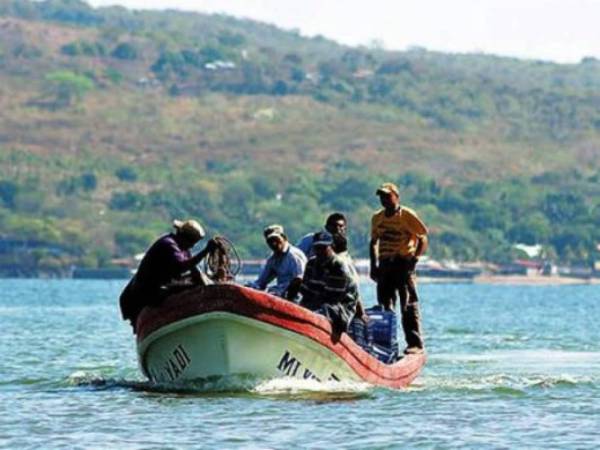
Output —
(167, 259)
(398, 238)
(336, 224)
(286, 264)
(328, 286)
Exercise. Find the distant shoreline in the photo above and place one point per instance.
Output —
(515, 280)
(533, 280)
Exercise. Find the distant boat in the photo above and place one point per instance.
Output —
(230, 330)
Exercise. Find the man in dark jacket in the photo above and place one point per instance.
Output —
(328, 286)
(337, 225)
(167, 260)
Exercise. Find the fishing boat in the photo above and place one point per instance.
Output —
(229, 330)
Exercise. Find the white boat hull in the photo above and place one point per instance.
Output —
(222, 344)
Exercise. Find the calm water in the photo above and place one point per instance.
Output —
(509, 367)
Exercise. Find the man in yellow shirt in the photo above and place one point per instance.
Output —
(398, 238)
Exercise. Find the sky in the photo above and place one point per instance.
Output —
(556, 30)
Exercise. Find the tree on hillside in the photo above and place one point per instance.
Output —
(125, 51)
(8, 192)
(230, 39)
(70, 11)
(67, 87)
(23, 9)
(83, 48)
(170, 62)
(84, 182)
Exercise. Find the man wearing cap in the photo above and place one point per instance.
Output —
(286, 265)
(398, 238)
(336, 224)
(167, 260)
(328, 286)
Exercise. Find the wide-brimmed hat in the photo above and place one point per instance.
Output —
(388, 188)
(274, 230)
(189, 228)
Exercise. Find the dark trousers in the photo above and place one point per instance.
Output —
(398, 276)
(137, 296)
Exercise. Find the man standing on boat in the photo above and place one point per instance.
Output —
(398, 238)
(167, 260)
(328, 286)
(286, 264)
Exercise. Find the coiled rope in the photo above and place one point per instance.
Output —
(224, 263)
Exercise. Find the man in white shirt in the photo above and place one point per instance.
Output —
(286, 264)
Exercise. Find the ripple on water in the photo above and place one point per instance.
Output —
(284, 388)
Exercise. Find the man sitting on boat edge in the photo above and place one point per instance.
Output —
(328, 286)
(286, 264)
(167, 259)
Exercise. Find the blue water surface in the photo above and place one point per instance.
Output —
(509, 367)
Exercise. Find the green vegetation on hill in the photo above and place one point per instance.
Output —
(113, 122)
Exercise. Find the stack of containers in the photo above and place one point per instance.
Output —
(360, 332)
(383, 327)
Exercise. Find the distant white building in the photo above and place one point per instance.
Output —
(220, 65)
(363, 73)
(532, 251)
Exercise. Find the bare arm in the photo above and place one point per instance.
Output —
(360, 312)
(422, 245)
(293, 289)
(266, 276)
(373, 258)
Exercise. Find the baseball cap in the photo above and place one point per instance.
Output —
(323, 238)
(388, 188)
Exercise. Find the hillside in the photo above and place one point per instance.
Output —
(112, 122)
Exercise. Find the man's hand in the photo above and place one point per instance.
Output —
(374, 274)
(211, 246)
(413, 262)
(422, 245)
(293, 289)
(361, 313)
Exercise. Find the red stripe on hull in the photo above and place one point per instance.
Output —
(284, 314)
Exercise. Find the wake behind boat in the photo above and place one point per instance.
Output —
(228, 330)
